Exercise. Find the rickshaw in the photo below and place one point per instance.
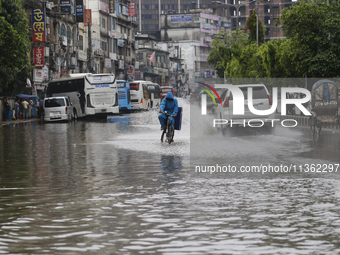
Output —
(324, 106)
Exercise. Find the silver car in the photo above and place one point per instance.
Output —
(261, 101)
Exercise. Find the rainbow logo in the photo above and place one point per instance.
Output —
(213, 90)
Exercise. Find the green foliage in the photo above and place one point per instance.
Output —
(313, 47)
(13, 56)
(251, 26)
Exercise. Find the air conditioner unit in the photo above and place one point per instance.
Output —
(48, 30)
(98, 52)
(211, 22)
(69, 42)
(47, 20)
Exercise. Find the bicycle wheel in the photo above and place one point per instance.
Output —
(171, 134)
(162, 137)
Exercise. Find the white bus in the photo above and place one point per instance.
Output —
(90, 94)
(139, 95)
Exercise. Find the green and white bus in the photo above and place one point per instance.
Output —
(90, 94)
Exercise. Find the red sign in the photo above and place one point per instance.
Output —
(38, 56)
(38, 25)
(132, 11)
(130, 70)
(87, 17)
(64, 71)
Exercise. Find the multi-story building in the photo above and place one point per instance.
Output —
(268, 12)
(192, 32)
(153, 59)
(148, 11)
(106, 44)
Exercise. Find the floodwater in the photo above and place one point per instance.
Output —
(111, 187)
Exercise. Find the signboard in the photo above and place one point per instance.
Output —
(130, 71)
(40, 75)
(120, 42)
(111, 6)
(132, 11)
(79, 11)
(78, 43)
(65, 6)
(138, 74)
(125, 10)
(38, 56)
(121, 64)
(118, 9)
(107, 63)
(104, 7)
(181, 18)
(208, 74)
(38, 25)
(88, 17)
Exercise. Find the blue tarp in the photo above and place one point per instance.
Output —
(27, 97)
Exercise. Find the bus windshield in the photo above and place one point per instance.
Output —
(134, 86)
(166, 90)
(121, 84)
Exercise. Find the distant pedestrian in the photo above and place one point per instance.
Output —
(17, 109)
(25, 106)
(7, 108)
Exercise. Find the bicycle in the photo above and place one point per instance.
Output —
(167, 130)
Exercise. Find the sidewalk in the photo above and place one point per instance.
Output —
(10, 121)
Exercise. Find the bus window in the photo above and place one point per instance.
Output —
(134, 86)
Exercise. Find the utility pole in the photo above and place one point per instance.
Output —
(257, 22)
(89, 50)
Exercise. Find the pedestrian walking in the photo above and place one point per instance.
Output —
(25, 106)
(7, 108)
(17, 109)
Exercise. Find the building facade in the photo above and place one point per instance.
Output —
(192, 32)
(149, 11)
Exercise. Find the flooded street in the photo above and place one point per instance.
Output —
(111, 187)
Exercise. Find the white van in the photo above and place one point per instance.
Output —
(261, 101)
(57, 108)
(139, 95)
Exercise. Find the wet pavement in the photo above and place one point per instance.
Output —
(111, 187)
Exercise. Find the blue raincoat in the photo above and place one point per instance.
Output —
(170, 105)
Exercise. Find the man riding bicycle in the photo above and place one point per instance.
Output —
(170, 105)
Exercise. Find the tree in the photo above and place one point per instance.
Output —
(14, 44)
(315, 34)
(224, 46)
(251, 26)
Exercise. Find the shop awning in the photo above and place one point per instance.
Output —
(27, 97)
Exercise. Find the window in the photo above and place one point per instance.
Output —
(129, 52)
(113, 45)
(103, 23)
(63, 30)
(140, 56)
(104, 46)
(68, 33)
(58, 28)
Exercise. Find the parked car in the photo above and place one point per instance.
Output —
(261, 101)
(57, 109)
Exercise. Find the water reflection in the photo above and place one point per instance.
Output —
(70, 188)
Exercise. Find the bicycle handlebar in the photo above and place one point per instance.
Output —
(167, 114)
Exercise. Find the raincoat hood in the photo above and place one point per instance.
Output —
(169, 96)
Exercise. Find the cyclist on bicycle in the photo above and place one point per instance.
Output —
(170, 105)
